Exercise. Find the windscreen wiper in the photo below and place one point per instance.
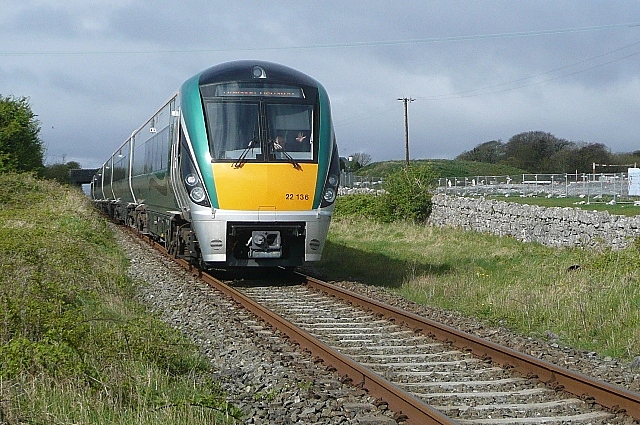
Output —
(241, 159)
(280, 148)
(291, 160)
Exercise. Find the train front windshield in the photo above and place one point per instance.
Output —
(273, 126)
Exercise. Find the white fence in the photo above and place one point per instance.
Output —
(592, 187)
(589, 186)
(350, 180)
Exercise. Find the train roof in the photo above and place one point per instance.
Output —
(250, 70)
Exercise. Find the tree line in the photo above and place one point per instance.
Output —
(540, 152)
(21, 148)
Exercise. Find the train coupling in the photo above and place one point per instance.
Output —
(265, 244)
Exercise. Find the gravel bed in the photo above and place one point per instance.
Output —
(268, 378)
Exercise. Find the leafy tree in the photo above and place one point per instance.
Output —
(628, 159)
(540, 152)
(587, 154)
(579, 157)
(533, 151)
(59, 172)
(488, 152)
(563, 161)
(20, 146)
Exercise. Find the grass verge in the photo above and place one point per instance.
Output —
(74, 345)
(527, 287)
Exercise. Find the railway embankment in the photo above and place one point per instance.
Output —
(75, 347)
(555, 227)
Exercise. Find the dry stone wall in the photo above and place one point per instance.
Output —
(556, 227)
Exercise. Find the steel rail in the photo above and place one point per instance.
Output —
(615, 398)
(618, 399)
(398, 400)
(406, 406)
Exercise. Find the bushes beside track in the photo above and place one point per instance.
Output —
(75, 346)
(407, 197)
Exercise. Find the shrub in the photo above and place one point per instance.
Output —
(409, 193)
(372, 207)
(72, 334)
(408, 197)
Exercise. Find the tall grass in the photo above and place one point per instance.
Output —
(74, 345)
(591, 300)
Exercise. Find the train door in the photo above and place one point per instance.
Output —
(177, 151)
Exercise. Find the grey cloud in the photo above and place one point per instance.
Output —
(130, 56)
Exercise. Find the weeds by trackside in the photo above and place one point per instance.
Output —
(74, 345)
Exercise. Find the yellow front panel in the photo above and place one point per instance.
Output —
(256, 186)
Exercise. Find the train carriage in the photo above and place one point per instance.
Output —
(239, 168)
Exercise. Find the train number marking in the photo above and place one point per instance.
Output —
(296, 196)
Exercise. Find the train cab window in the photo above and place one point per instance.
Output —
(233, 128)
(290, 132)
(256, 129)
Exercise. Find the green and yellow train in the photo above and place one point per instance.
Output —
(239, 168)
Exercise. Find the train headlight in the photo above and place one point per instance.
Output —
(191, 180)
(330, 190)
(329, 195)
(197, 194)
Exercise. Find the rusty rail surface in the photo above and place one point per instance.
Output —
(406, 406)
(618, 399)
(615, 398)
(398, 400)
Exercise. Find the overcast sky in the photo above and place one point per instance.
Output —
(479, 70)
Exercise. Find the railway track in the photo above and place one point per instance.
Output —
(467, 389)
(426, 372)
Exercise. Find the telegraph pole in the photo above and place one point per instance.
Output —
(406, 101)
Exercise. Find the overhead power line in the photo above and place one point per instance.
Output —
(331, 45)
(483, 90)
(486, 90)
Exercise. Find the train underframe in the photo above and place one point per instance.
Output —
(244, 244)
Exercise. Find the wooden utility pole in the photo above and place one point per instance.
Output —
(406, 101)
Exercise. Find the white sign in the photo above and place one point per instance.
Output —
(634, 181)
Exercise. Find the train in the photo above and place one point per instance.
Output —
(240, 168)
